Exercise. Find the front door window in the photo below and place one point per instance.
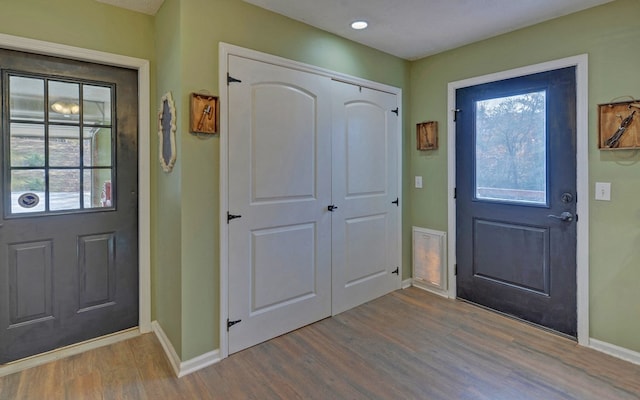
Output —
(60, 147)
(511, 149)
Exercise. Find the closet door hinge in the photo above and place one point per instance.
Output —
(232, 216)
(231, 79)
(232, 323)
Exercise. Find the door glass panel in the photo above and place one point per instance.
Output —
(64, 189)
(64, 146)
(63, 162)
(97, 188)
(26, 98)
(97, 147)
(97, 105)
(30, 184)
(510, 149)
(64, 101)
(27, 145)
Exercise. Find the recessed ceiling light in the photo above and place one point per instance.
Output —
(359, 24)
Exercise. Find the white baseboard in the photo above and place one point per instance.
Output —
(182, 368)
(615, 351)
(407, 283)
(63, 352)
(429, 289)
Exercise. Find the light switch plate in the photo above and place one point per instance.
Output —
(603, 191)
(418, 182)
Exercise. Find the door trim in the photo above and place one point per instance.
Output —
(582, 184)
(224, 51)
(144, 130)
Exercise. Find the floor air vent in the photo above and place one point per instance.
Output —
(430, 260)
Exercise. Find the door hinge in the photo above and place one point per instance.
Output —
(576, 217)
(455, 193)
(455, 114)
(396, 111)
(232, 323)
(396, 271)
(455, 269)
(396, 202)
(232, 216)
(231, 79)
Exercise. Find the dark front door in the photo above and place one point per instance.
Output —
(516, 197)
(68, 227)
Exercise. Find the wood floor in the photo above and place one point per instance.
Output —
(406, 345)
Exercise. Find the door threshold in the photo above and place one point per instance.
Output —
(63, 352)
(524, 321)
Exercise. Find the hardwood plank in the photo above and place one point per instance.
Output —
(157, 376)
(406, 345)
(121, 378)
(87, 386)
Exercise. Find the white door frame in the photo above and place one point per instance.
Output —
(144, 130)
(224, 51)
(582, 158)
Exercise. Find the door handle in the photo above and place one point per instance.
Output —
(332, 207)
(565, 216)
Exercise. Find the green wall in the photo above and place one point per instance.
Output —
(166, 187)
(610, 35)
(184, 36)
(192, 66)
(80, 23)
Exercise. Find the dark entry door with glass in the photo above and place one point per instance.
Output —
(68, 227)
(516, 197)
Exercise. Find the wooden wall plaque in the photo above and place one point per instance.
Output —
(204, 113)
(619, 125)
(427, 135)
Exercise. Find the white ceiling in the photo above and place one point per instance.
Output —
(412, 29)
(150, 7)
(409, 29)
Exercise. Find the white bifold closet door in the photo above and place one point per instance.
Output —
(283, 168)
(365, 227)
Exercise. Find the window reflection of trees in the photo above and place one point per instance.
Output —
(511, 148)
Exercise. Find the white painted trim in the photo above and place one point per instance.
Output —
(198, 363)
(224, 51)
(144, 129)
(430, 289)
(168, 348)
(615, 351)
(63, 352)
(182, 368)
(581, 62)
(407, 283)
(223, 56)
(144, 197)
(229, 49)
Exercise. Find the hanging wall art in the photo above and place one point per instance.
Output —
(619, 125)
(427, 135)
(204, 113)
(167, 132)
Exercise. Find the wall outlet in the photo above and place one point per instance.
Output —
(603, 191)
(418, 182)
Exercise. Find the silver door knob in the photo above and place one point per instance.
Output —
(565, 216)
